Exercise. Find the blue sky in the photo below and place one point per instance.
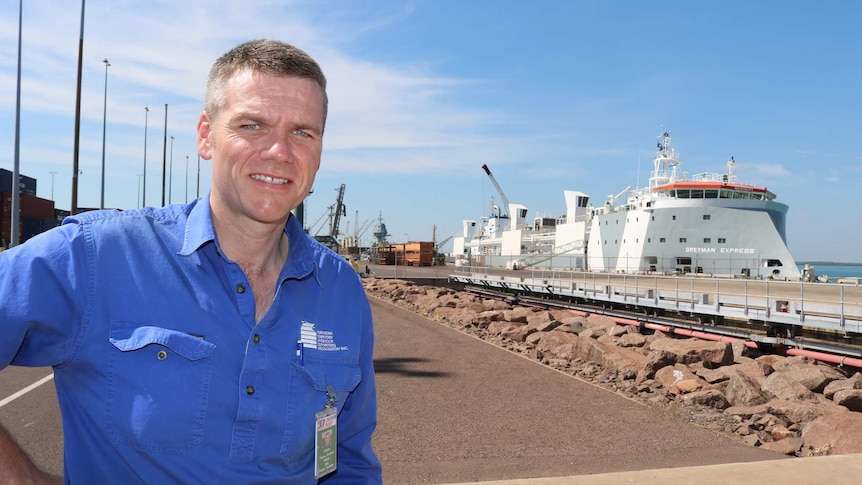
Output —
(552, 95)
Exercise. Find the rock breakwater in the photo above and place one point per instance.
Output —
(791, 405)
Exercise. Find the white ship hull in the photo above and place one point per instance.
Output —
(707, 224)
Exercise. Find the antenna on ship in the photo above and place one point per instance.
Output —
(730, 164)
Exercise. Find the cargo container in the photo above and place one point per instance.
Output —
(27, 185)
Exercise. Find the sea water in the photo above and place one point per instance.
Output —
(835, 270)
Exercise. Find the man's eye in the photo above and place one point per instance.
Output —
(300, 133)
(251, 126)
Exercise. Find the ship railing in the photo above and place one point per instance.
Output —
(828, 307)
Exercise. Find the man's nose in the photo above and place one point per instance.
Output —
(279, 147)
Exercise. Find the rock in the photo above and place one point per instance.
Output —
(626, 361)
(780, 433)
(834, 433)
(632, 340)
(678, 379)
(849, 398)
(686, 351)
(799, 412)
(742, 390)
(710, 398)
(789, 446)
(784, 385)
(854, 382)
(518, 314)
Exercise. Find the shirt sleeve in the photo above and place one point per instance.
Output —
(357, 462)
(43, 295)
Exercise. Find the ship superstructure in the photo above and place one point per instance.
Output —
(708, 223)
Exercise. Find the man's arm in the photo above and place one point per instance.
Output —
(16, 467)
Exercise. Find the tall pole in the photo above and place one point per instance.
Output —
(53, 172)
(165, 156)
(74, 209)
(187, 179)
(13, 230)
(144, 197)
(104, 126)
(171, 171)
(198, 186)
(138, 201)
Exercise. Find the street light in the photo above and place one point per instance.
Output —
(171, 171)
(138, 200)
(187, 179)
(104, 126)
(53, 172)
(198, 187)
(144, 197)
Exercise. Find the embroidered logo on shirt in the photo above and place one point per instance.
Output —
(317, 339)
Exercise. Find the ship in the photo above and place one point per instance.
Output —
(705, 224)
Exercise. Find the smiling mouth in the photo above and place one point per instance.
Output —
(269, 180)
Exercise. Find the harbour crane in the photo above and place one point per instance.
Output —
(335, 212)
(504, 211)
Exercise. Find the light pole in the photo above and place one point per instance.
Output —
(138, 200)
(164, 155)
(144, 175)
(171, 171)
(53, 172)
(187, 179)
(198, 187)
(104, 126)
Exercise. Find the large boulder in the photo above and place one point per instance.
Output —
(835, 433)
(742, 390)
(687, 351)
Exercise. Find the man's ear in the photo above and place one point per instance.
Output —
(204, 136)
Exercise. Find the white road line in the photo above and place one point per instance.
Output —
(26, 390)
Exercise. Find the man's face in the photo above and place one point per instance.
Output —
(265, 146)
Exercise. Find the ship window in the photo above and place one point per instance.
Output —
(649, 239)
(606, 241)
(661, 240)
(618, 221)
(616, 241)
(773, 262)
(674, 217)
(707, 217)
(653, 217)
(683, 194)
(722, 240)
(683, 260)
(707, 240)
(682, 240)
(711, 194)
(697, 193)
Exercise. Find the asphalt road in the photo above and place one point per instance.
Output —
(453, 408)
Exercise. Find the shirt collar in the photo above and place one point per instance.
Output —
(300, 257)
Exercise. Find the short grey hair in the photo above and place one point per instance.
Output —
(262, 55)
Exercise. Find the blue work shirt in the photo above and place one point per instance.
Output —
(162, 373)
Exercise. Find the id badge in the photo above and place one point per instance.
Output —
(325, 442)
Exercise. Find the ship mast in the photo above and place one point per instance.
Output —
(665, 163)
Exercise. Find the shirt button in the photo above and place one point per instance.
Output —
(240, 288)
(249, 390)
(256, 338)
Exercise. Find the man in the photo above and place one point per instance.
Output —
(202, 342)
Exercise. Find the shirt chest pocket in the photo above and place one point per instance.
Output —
(310, 383)
(158, 387)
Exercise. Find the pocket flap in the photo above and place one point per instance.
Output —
(126, 337)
